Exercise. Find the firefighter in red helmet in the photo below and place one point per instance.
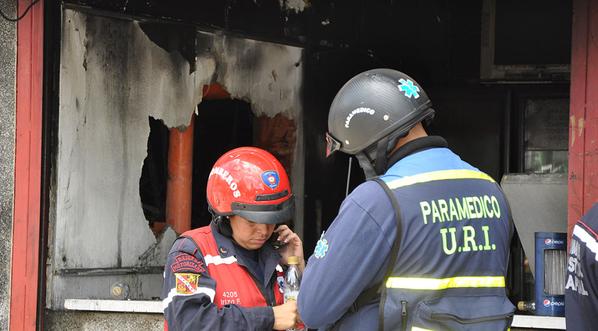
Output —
(229, 275)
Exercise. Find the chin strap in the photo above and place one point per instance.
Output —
(366, 165)
(223, 225)
(379, 154)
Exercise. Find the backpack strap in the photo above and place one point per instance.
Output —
(377, 292)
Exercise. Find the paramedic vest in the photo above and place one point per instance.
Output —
(234, 285)
(448, 270)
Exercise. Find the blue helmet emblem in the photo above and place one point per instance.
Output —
(271, 179)
(409, 88)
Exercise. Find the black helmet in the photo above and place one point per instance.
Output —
(371, 111)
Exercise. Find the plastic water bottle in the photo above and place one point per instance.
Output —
(292, 283)
(528, 306)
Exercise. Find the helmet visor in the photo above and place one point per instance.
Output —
(266, 214)
(332, 145)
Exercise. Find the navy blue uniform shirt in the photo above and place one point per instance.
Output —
(352, 255)
(581, 289)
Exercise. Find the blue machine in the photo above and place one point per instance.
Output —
(551, 272)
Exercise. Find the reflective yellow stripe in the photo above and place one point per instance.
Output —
(413, 283)
(415, 328)
(438, 175)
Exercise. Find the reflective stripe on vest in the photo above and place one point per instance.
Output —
(415, 328)
(217, 260)
(438, 175)
(414, 283)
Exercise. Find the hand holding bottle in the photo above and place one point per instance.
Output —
(285, 315)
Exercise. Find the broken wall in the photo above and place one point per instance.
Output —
(112, 78)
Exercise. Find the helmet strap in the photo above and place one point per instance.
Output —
(223, 225)
(379, 153)
(366, 165)
(381, 158)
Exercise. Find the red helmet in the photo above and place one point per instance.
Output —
(251, 183)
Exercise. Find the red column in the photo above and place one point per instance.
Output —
(26, 222)
(180, 175)
(583, 119)
(180, 168)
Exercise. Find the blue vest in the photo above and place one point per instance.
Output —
(448, 271)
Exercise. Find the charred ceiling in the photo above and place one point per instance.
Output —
(440, 39)
(276, 19)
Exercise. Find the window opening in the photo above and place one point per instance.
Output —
(220, 125)
(152, 184)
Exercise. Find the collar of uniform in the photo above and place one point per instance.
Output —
(267, 253)
(225, 245)
(416, 145)
(272, 258)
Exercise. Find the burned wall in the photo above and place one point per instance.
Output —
(113, 77)
(8, 43)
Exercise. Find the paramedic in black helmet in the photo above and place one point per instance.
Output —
(423, 244)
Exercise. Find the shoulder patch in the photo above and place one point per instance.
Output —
(321, 247)
(184, 262)
(186, 283)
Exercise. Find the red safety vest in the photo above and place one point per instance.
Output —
(234, 285)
